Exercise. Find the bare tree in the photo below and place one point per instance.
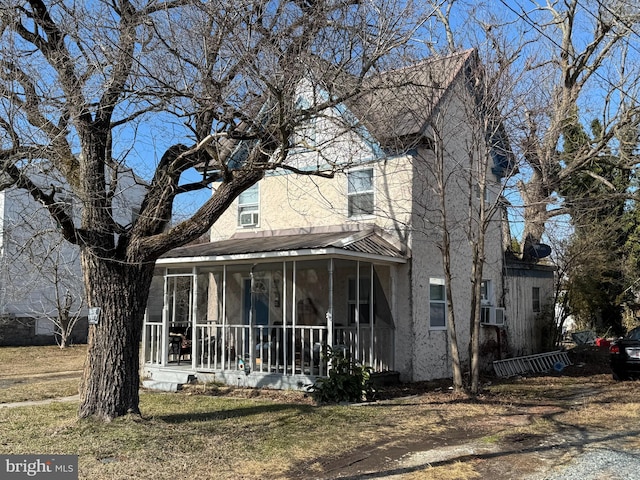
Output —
(547, 63)
(62, 300)
(40, 272)
(215, 83)
(483, 111)
(488, 167)
(586, 51)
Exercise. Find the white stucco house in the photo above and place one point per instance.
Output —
(40, 273)
(301, 262)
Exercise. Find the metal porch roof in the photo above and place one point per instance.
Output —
(363, 244)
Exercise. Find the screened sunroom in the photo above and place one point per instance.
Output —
(262, 311)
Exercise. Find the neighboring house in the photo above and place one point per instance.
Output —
(40, 273)
(301, 262)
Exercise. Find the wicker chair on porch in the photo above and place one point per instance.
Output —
(180, 342)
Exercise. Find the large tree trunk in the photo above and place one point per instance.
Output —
(536, 199)
(111, 382)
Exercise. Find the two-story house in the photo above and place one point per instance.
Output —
(41, 282)
(354, 261)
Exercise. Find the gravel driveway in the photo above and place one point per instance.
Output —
(582, 457)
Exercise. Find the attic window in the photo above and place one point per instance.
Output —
(360, 193)
(304, 137)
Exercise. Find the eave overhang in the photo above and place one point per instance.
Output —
(359, 246)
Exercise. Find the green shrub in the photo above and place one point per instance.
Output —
(348, 380)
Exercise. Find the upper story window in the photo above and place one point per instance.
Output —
(437, 304)
(360, 192)
(249, 207)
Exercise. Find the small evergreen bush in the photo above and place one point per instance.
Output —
(348, 380)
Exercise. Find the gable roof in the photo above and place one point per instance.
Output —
(399, 103)
(393, 104)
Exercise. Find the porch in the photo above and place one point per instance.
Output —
(255, 322)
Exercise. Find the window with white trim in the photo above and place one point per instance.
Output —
(437, 304)
(360, 192)
(249, 207)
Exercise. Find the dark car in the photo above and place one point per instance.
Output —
(624, 356)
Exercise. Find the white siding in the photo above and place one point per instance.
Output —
(31, 240)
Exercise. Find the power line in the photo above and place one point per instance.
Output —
(526, 19)
(619, 19)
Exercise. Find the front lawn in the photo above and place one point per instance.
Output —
(206, 432)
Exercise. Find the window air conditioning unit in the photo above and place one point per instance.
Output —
(249, 219)
(492, 316)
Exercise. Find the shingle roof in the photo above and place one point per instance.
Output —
(369, 243)
(399, 103)
(394, 104)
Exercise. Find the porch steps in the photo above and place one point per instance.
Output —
(161, 386)
(166, 380)
(539, 363)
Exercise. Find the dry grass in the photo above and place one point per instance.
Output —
(39, 373)
(27, 390)
(20, 361)
(207, 432)
(456, 471)
(191, 436)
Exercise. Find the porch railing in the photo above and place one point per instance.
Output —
(287, 350)
(375, 351)
(267, 349)
(152, 336)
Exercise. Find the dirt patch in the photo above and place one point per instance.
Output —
(395, 458)
(530, 436)
(10, 380)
